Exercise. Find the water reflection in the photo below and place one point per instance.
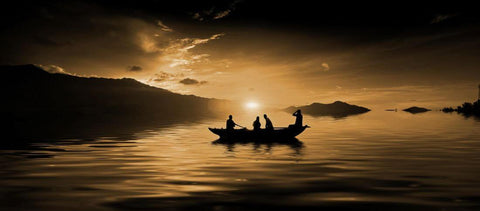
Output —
(379, 160)
(259, 146)
(41, 133)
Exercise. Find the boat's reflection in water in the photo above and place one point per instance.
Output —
(257, 144)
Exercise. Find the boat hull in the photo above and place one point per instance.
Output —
(262, 134)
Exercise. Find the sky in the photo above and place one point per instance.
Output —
(274, 53)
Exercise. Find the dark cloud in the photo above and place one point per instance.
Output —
(190, 81)
(134, 68)
(216, 12)
(46, 41)
(440, 18)
(82, 36)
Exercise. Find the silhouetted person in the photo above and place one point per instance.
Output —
(268, 123)
(230, 123)
(299, 119)
(256, 124)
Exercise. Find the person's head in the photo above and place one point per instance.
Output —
(229, 116)
(258, 117)
(265, 116)
(298, 111)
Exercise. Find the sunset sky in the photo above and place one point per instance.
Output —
(276, 53)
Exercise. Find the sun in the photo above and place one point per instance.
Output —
(251, 105)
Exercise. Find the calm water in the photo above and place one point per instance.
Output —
(373, 161)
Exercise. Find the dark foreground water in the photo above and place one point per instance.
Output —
(375, 161)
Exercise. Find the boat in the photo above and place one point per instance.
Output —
(279, 133)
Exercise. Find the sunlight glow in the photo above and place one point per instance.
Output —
(251, 105)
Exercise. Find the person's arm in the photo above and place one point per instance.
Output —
(236, 124)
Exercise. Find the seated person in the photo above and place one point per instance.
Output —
(268, 123)
(256, 124)
(230, 123)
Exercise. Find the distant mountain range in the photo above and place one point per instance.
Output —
(336, 109)
(34, 100)
(30, 88)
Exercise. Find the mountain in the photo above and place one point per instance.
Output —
(416, 110)
(35, 102)
(336, 109)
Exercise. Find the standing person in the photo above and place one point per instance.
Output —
(299, 119)
(268, 123)
(256, 124)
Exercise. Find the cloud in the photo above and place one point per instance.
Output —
(175, 56)
(197, 16)
(440, 18)
(325, 67)
(190, 81)
(214, 13)
(53, 69)
(222, 14)
(134, 68)
(152, 45)
(176, 53)
(163, 76)
(164, 27)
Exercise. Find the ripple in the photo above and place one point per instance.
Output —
(376, 161)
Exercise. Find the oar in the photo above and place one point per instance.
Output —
(241, 126)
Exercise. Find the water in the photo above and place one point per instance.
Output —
(375, 161)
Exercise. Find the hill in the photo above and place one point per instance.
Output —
(36, 102)
(336, 109)
(416, 110)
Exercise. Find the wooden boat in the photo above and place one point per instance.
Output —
(283, 133)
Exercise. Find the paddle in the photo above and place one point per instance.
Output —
(240, 126)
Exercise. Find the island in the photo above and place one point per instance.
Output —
(337, 109)
(466, 109)
(416, 110)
